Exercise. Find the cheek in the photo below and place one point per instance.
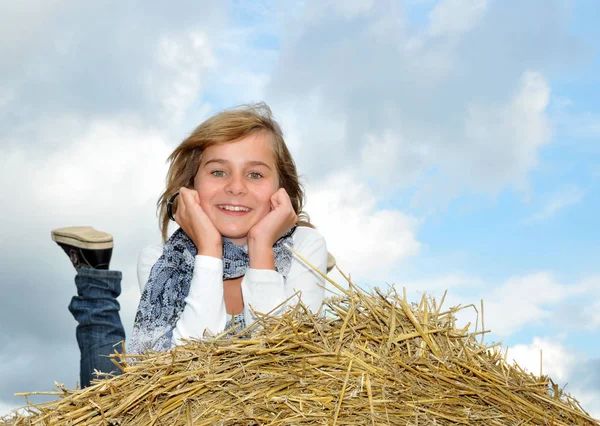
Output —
(204, 203)
(204, 194)
(265, 197)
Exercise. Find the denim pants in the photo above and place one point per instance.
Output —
(99, 330)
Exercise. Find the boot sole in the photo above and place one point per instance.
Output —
(84, 237)
(330, 262)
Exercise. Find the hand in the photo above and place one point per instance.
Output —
(271, 227)
(197, 225)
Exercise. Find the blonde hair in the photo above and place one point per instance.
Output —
(226, 127)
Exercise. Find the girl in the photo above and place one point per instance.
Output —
(233, 189)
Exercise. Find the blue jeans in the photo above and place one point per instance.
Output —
(99, 330)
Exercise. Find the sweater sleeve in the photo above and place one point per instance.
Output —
(263, 290)
(146, 260)
(204, 305)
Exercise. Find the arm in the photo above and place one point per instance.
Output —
(264, 289)
(204, 305)
(146, 260)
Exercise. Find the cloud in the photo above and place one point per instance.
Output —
(521, 302)
(108, 176)
(436, 286)
(564, 366)
(87, 60)
(562, 199)
(366, 241)
(575, 121)
(455, 16)
(518, 302)
(584, 125)
(447, 102)
(583, 310)
(556, 359)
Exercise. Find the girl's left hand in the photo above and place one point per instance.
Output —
(279, 220)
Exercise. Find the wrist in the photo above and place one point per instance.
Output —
(261, 256)
(212, 250)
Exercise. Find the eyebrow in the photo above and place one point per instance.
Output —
(250, 163)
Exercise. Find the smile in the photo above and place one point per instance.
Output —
(231, 208)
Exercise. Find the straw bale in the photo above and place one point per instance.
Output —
(369, 358)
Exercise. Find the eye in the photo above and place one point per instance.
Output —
(218, 173)
(254, 175)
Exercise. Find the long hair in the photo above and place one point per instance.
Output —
(226, 127)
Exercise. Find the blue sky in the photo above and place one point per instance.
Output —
(446, 144)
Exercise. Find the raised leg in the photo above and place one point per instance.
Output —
(99, 330)
(95, 308)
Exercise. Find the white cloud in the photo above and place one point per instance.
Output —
(316, 141)
(518, 302)
(108, 176)
(562, 199)
(570, 121)
(556, 359)
(521, 301)
(182, 60)
(436, 115)
(352, 8)
(455, 16)
(436, 286)
(562, 365)
(589, 307)
(384, 155)
(349, 10)
(525, 301)
(585, 125)
(146, 65)
(503, 141)
(109, 165)
(366, 241)
(5, 409)
(500, 146)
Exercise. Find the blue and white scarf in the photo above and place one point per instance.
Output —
(163, 298)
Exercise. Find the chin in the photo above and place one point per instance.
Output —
(233, 235)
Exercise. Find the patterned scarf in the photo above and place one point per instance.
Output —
(163, 298)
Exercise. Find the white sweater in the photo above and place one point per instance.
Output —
(262, 289)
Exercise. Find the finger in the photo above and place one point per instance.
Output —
(282, 194)
(285, 197)
(187, 196)
(181, 211)
(274, 196)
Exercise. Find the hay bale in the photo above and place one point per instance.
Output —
(371, 359)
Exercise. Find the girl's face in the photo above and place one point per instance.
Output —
(235, 182)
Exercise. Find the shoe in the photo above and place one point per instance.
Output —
(330, 262)
(86, 247)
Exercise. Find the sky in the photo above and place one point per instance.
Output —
(444, 145)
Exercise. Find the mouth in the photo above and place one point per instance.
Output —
(233, 209)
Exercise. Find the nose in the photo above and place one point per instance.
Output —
(236, 185)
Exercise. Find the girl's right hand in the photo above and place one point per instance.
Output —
(197, 225)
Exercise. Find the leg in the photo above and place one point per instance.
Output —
(99, 330)
(95, 308)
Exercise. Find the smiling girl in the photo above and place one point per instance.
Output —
(238, 205)
(233, 189)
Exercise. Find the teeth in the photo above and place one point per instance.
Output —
(235, 208)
